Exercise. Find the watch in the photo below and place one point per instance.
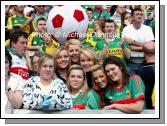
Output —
(9, 89)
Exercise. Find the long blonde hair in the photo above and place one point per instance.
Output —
(85, 85)
(57, 53)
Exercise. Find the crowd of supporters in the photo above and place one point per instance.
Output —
(113, 67)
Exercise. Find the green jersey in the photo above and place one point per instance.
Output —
(95, 42)
(35, 40)
(102, 15)
(87, 6)
(91, 28)
(115, 49)
(130, 93)
(99, 96)
(85, 101)
(18, 21)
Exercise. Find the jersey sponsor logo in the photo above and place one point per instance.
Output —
(115, 52)
(24, 73)
(34, 42)
(128, 93)
(15, 21)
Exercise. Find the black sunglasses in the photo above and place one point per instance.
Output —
(41, 6)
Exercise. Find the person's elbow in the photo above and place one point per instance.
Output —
(139, 107)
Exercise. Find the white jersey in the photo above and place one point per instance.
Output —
(19, 66)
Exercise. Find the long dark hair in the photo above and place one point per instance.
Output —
(118, 62)
(8, 57)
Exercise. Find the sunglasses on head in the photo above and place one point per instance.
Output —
(41, 6)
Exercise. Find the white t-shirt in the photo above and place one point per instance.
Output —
(143, 35)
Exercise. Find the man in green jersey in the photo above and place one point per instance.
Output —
(100, 13)
(35, 39)
(24, 22)
(115, 45)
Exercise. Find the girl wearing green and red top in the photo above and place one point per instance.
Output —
(82, 98)
(126, 92)
(99, 84)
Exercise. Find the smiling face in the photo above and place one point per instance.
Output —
(100, 78)
(86, 62)
(46, 69)
(63, 59)
(76, 79)
(113, 72)
(74, 51)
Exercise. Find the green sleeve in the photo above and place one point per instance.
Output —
(126, 45)
(92, 102)
(100, 44)
(107, 16)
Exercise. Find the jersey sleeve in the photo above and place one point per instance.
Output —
(153, 97)
(10, 23)
(107, 16)
(30, 38)
(92, 103)
(126, 45)
(137, 88)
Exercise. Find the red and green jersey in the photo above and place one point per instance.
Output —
(85, 101)
(99, 96)
(133, 92)
(18, 21)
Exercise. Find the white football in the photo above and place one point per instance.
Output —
(65, 22)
